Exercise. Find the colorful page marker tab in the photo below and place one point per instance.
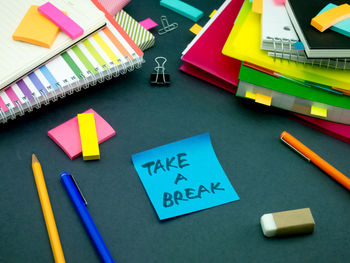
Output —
(250, 95)
(318, 111)
(263, 99)
(257, 6)
(342, 27)
(195, 29)
(36, 29)
(148, 23)
(67, 134)
(183, 8)
(60, 19)
(299, 45)
(279, 2)
(212, 13)
(88, 136)
(177, 179)
(330, 17)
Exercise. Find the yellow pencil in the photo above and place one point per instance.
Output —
(47, 211)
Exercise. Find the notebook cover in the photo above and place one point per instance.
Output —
(118, 27)
(337, 130)
(304, 11)
(203, 75)
(113, 6)
(293, 88)
(207, 56)
(142, 37)
(243, 44)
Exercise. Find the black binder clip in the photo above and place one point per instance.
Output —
(166, 27)
(160, 78)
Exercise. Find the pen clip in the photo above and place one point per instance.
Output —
(295, 149)
(79, 191)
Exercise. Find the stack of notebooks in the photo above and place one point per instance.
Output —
(32, 76)
(258, 59)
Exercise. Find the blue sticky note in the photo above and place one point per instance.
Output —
(183, 177)
(183, 8)
(299, 45)
(342, 27)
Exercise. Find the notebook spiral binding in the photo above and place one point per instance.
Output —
(284, 49)
(109, 72)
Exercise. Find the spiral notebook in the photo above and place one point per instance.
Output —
(104, 55)
(278, 36)
(17, 58)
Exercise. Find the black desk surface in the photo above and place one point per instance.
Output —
(267, 175)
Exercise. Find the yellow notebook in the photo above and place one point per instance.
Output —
(36, 29)
(243, 44)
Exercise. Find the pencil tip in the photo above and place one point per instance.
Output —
(34, 159)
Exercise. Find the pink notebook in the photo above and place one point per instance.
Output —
(338, 130)
(206, 55)
(113, 6)
(201, 74)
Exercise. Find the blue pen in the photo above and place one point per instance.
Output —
(80, 205)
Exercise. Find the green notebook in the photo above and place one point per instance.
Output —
(293, 88)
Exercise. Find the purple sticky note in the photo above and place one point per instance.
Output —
(60, 19)
(148, 23)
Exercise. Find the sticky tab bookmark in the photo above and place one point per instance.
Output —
(318, 111)
(183, 8)
(36, 29)
(195, 29)
(148, 23)
(65, 23)
(279, 2)
(299, 45)
(250, 95)
(327, 19)
(88, 136)
(212, 13)
(342, 27)
(257, 6)
(263, 99)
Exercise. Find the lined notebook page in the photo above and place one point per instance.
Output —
(18, 58)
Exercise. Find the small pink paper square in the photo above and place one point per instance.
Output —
(148, 23)
(67, 134)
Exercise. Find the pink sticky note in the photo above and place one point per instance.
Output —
(279, 2)
(148, 23)
(67, 134)
(60, 19)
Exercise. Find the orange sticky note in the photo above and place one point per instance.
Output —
(257, 6)
(36, 29)
(331, 17)
(263, 99)
(195, 29)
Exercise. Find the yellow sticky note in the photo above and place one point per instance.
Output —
(88, 136)
(195, 29)
(36, 29)
(257, 6)
(250, 95)
(263, 99)
(318, 111)
(212, 13)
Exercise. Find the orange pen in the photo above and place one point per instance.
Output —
(317, 160)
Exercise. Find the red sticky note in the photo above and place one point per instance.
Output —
(67, 134)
